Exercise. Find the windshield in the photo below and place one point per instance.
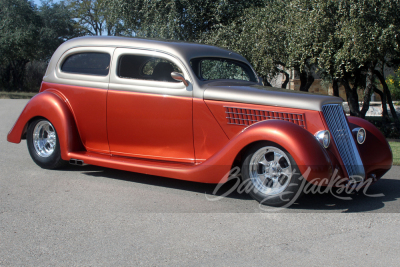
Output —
(221, 68)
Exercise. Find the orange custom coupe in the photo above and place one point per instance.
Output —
(192, 112)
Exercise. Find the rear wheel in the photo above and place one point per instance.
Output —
(43, 144)
(271, 174)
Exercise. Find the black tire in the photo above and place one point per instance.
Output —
(50, 156)
(277, 189)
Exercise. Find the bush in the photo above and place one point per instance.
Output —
(34, 72)
(389, 129)
(393, 82)
(32, 77)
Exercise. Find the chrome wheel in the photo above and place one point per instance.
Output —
(44, 138)
(270, 170)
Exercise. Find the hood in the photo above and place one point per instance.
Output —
(245, 92)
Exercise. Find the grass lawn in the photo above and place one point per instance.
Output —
(396, 152)
(16, 95)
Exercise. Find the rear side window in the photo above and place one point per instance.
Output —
(146, 68)
(87, 63)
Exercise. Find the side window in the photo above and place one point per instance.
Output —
(222, 69)
(146, 68)
(87, 63)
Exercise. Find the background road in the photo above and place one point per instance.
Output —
(96, 216)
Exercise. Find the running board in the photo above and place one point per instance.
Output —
(205, 172)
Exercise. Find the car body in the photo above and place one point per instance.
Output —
(112, 102)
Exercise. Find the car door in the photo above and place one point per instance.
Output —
(149, 115)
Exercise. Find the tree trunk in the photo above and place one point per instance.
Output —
(389, 98)
(335, 86)
(385, 115)
(306, 80)
(369, 88)
(352, 97)
(265, 81)
(285, 83)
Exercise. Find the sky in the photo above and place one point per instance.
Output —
(38, 2)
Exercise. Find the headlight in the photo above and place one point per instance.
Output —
(360, 134)
(324, 137)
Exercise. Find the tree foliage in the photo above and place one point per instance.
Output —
(351, 42)
(28, 34)
(348, 42)
(177, 19)
(94, 18)
(259, 35)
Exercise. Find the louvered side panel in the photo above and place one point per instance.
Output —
(241, 116)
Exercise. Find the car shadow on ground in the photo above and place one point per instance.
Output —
(209, 189)
(372, 199)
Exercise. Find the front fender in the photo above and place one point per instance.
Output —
(375, 152)
(301, 144)
(50, 106)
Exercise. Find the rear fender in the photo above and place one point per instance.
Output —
(50, 106)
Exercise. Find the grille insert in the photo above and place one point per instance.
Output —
(341, 135)
(242, 116)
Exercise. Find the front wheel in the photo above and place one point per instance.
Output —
(271, 174)
(43, 144)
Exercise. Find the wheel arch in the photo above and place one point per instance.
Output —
(298, 142)
(51, 107)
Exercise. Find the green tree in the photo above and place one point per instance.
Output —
(177, 19)
(29, 34)
(57, 26)
(369, 33)
(95, 18)
(351, 42)
(263, 36)
(19, 34)
(260, 36)
(393, 82)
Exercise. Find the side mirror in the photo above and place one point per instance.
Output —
(179, 77)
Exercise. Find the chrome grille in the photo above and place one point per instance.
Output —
(341, 134)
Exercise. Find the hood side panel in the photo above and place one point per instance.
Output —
(262, 95)
(306, 119)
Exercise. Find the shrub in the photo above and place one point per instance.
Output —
(393, 82)
(34, 72)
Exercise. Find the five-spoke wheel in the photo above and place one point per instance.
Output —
(44, 138)
(43, 144)
(272, 174)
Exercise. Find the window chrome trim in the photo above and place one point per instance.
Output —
(84, 80)
(148, 86)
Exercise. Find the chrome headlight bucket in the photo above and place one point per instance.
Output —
(324, 137)
(360, 134)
